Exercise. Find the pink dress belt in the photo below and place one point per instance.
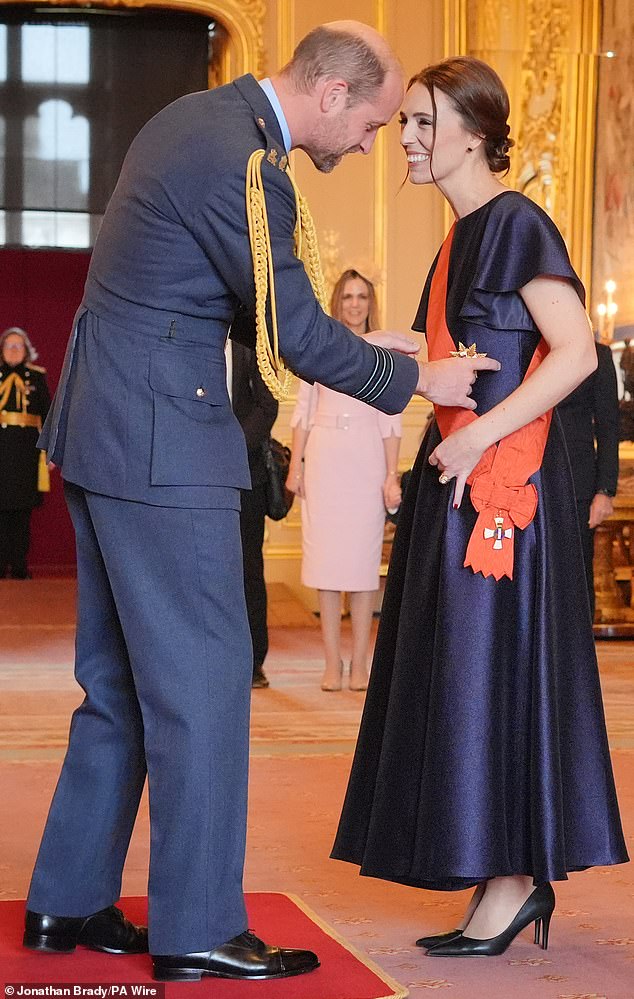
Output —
(332, 421)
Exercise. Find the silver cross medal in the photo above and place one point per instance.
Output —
(499, 533)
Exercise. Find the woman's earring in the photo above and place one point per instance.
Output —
(469, 149)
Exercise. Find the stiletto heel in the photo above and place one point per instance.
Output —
(537, 908)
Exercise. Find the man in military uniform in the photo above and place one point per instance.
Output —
(154, 459)
(24, 403)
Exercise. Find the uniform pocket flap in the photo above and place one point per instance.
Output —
(189, 375)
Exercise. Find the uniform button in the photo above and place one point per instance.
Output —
(261, 123)
(201, 392)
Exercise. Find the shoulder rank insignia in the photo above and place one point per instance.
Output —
(272, 157)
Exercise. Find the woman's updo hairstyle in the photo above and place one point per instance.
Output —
(480, 98)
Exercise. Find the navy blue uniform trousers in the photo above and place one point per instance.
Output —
(163, 653)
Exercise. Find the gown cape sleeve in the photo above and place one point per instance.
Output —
(496, 251)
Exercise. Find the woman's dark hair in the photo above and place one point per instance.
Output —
(480, 98)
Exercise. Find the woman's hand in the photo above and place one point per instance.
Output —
(457, 456)
(392, 495)
(295, 478)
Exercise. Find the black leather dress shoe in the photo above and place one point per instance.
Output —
(244, 957)
(260, 678)
(107, 930)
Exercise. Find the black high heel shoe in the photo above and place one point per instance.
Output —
(538, 907)
(439, 938)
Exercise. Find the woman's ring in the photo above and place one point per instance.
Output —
(444, 479)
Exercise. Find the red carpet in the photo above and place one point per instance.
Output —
(278, 918)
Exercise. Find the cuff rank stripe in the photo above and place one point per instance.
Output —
(380, 377)
(361, 393)
(386, 378)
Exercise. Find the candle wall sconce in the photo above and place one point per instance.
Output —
(606, 312)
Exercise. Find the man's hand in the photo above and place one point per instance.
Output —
(405, 343)
(448, 382)
(601, 508)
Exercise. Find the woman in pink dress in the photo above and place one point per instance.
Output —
(344, 467)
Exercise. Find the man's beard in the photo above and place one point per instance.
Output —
(321, 151)
(325, 162)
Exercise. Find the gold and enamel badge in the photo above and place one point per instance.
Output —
(466, 351)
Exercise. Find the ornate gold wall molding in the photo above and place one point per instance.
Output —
(243, 20)
(541, 163)
(546, 52)
(613, 247)
(455, 17)
(285, 31)
(379, 240)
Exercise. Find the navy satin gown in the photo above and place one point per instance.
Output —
(483, 749)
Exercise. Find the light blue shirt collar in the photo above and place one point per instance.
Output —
(269, 90)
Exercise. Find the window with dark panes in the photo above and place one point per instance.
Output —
(76, 85)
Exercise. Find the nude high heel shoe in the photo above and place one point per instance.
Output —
(330, 686)
(354, 684)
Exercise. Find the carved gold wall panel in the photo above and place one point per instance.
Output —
(546, 51)
(614, 188)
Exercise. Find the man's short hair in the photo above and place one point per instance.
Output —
(329, 53)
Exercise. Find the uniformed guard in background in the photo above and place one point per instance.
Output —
(24, 403)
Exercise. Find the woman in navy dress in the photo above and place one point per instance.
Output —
(483, 759)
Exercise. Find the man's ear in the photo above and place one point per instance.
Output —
(333, 96)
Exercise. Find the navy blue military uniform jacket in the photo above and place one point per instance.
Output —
(142, 411)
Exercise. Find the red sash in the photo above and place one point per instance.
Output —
(499, 488)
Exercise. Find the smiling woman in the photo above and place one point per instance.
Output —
(480, 111)
(482, 757)
(343, 466)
